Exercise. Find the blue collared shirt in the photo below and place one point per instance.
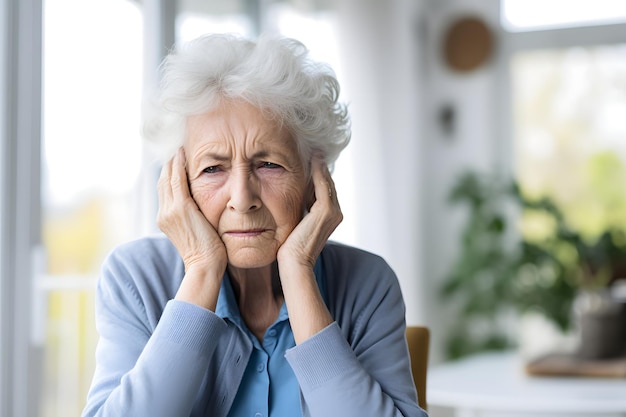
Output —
(269, 387)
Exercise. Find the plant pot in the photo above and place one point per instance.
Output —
(602, 329)
(602, 335)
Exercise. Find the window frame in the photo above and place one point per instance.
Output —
(20, 60)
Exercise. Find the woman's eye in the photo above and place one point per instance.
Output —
(270, 165)
(211, 170)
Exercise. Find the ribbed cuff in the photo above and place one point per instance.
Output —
(321, 358)
(190, 325)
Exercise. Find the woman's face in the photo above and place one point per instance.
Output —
(247, 178)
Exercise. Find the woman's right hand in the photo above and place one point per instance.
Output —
(196, 240)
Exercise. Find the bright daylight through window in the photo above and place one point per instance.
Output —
(520, 15)
(91, 161)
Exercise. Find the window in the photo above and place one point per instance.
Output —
(91, 162)
(568, 95)
(195, 18)
(568, 108)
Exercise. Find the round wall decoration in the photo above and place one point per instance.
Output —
(468, 44)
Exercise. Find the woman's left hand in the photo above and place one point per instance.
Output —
(296, 257)
(307, 240)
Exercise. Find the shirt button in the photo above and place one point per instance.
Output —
(260, 367)
(258, 415)
(272, 332)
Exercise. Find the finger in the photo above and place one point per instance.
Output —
(321, 181)
(164, 184)
(324, 185)
(179, 182)
(332, 189)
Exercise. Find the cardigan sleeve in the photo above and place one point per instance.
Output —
(140, 370)
(359, 365)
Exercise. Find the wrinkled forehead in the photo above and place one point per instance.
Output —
(242, 129)
(240, 124)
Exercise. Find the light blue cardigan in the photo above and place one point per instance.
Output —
(161, 357)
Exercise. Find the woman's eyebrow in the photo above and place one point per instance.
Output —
(276, 153)
(260, 154)
(214, 156)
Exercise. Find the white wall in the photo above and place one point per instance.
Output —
(379, 52)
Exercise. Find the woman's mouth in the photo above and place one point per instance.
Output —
(244, 233)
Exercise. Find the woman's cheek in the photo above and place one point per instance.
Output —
(290, 198)
(291, 185)
(207, 198)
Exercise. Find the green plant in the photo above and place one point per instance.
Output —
(519, 254)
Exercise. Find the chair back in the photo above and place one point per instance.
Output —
(418, 339)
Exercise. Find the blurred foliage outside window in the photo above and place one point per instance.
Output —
(570, 135)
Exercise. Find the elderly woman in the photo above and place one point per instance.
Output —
(243, 307)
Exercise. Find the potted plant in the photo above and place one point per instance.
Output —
(519, 254)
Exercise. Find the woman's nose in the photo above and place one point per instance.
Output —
(244, 192)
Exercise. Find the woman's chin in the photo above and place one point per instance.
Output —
(249, 258)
